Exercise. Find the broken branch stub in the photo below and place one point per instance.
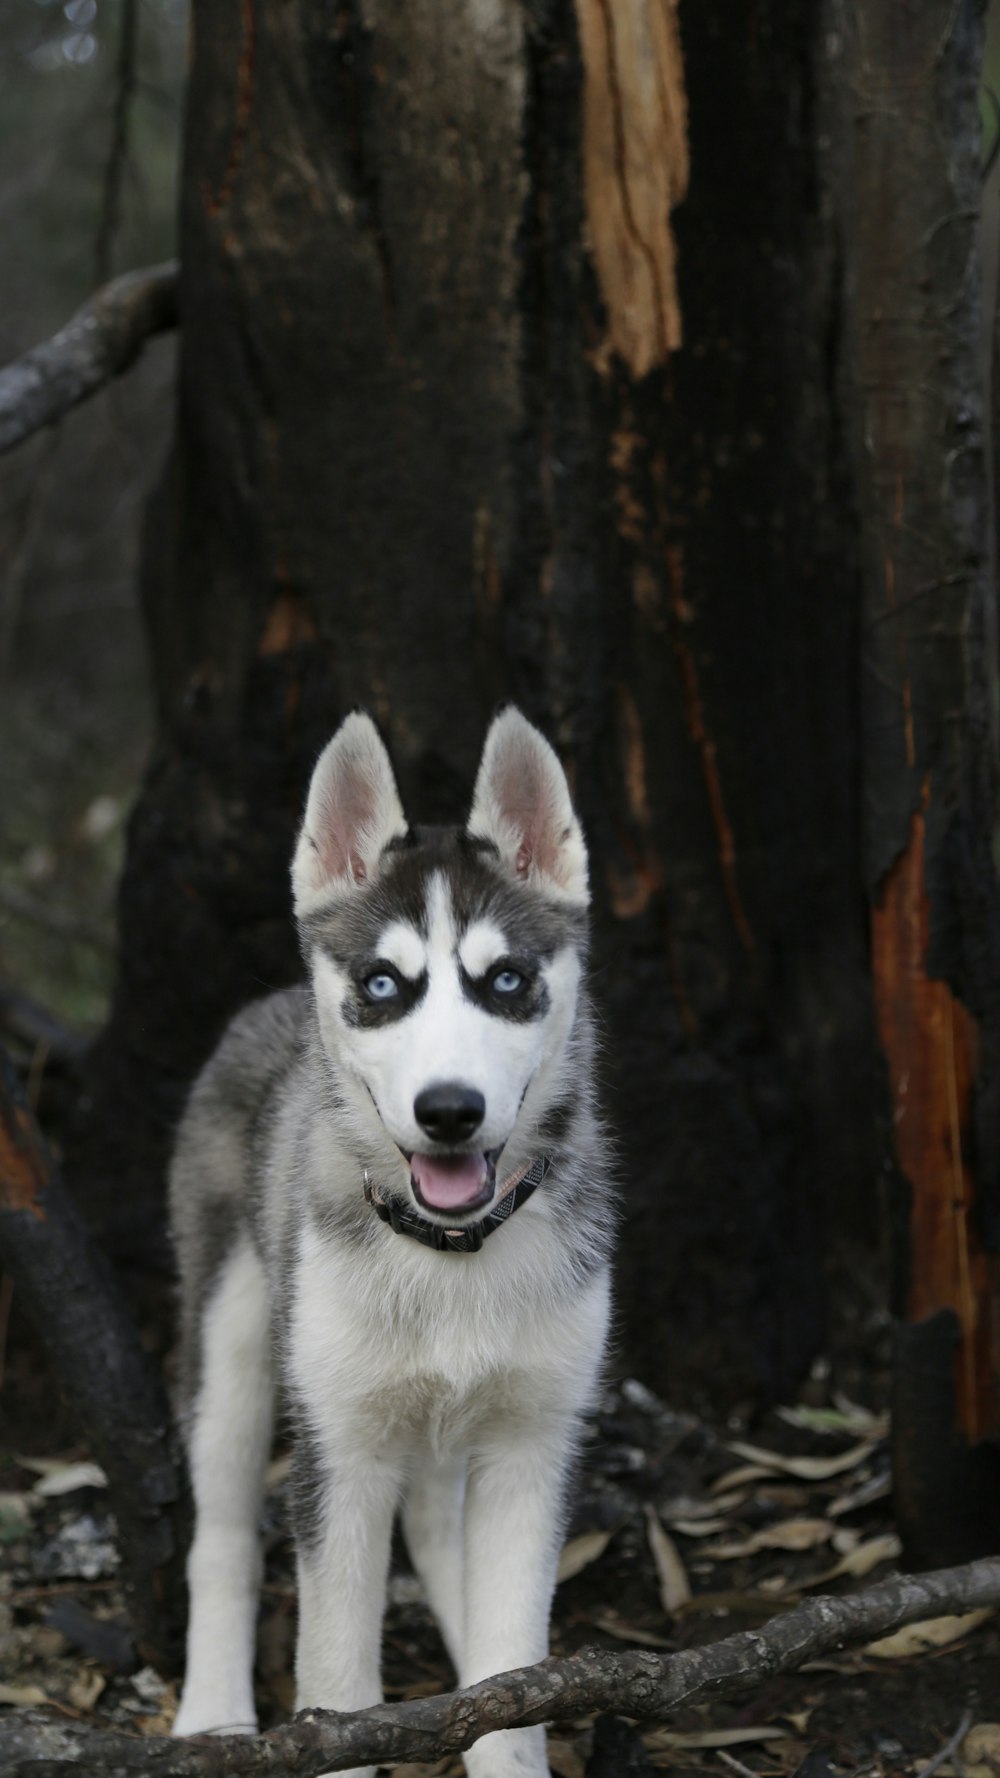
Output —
(103, 339)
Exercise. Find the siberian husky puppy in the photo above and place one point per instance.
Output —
(391, 1198)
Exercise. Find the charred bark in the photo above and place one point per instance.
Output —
(929, 742)
(67, 1289)
(438, 445)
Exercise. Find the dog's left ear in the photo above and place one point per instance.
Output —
(522, 803)
(352, 813)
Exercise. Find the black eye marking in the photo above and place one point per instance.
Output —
(380, 994)
(512, 988)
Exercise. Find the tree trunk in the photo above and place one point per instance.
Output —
(484, 394)
(929, 722)
(439, 444)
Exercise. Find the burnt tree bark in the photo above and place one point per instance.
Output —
(513, 366)
(113, 1386)
(929, 702)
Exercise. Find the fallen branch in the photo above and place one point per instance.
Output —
(66, 1287)
(102, 340)
(637, 1685)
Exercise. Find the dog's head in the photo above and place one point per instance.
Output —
(446, 963)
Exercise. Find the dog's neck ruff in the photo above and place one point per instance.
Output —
(515, 1191)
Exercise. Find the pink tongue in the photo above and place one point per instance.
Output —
(447, 1182)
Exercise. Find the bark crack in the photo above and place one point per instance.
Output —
(216, 202)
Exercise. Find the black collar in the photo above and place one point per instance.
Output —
(465, 1240)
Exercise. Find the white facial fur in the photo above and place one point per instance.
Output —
(447, 1037)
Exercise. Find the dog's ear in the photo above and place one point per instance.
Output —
(353, 811)
(522, 803)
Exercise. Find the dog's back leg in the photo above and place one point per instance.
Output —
(229, 1440)
(432, 1526)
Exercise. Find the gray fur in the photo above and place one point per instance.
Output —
(267, 1204)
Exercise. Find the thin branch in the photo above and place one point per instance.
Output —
(66, 1287)
(103, 339)
(423, 1729)
(114, 171)
(951, 1746)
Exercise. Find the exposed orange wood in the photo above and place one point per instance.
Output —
(931, 1046)
(635, 159)
(22, 1171)
(706, 747)
(289, 624)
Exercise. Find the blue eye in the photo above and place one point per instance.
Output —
(381, 986)
(507, 981)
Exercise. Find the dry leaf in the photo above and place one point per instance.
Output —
(563, 1757)
(698, 1527)
(739, 1478)
(786, 1495)
(845, 1540)
(160, 1724)
(581, 1551)
(847, 1416)
(66, 1478)
(675, 1588)
(23, 1694)
(666, 1738)
(982, 1744)
(684, 1507)
(85, 1691)
(935, 1632)
(788, 1534)
(799, 1719)
(630, 1633)
(807, 1469)
(877, 1487)
(859, 1561)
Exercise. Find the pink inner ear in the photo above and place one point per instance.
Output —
(347, 807)
(527, 801)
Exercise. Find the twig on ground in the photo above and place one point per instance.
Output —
(734, 1764)
(101, 341)
(950, 1747)
(424, 1729)
(66, 1287)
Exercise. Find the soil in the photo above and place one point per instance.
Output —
(647, 1475)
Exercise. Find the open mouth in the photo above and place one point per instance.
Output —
(456, 1183)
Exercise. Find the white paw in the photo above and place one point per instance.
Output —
(213, 1716)
(510, 1753)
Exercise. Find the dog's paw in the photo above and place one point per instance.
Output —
(510, 1753)
(203, 1717)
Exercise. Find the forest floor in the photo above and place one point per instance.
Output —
(683, 1531)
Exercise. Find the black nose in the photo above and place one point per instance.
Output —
(449, 1112)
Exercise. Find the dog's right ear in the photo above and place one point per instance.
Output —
(352, 813)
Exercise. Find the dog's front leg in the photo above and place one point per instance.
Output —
(513, 1533)
(343, 1531)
